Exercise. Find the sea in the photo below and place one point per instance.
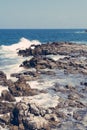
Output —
(12, 40)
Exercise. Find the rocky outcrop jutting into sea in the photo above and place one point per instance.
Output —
(51, 92)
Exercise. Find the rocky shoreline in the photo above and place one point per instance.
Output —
(57, 99)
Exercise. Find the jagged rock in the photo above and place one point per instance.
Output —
(36, 110)
(21, 88)
(6, 107)
(36, 122)
(3, 79)
(40, 63)
(5, 119)
(73, 96)
(20, 110)
(6, 95)
(14, 128)
(27, 75)
(81, 115)
(2, 75)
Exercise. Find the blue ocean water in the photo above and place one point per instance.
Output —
(11, 36)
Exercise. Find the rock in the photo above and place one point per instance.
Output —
(69, 125)
(36, 122)
(80, 115)
(47, 72)
(6, 95)
(73, 96)
(27, 75)
(6, 107)
(5, 119)
(14, 128)
(69, 86)
(40, 63)
(34, 109)
(26, 117)
(21, 127)
(19, 111)
(2, 75)
(21, 88)
(3, 79)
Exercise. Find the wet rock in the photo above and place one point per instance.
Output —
(60, 114)
(19, 111)
(73, 96)
(47, 72)
(69, 86)
(40, 63)
(14, 128)
(2, 75)
(27, 75)
(69, 125)
(5, 119)
(27, 117)
(6, 95)
(84, 90)
(81, 115)
(3, 79)
(21, 88)
(6, 107)
(33, 123)
(34, 109)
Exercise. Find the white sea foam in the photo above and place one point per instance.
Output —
(44, 100)
(9, 59)
(80, 32)
(79, 42)
(56, 57)
(22, 44)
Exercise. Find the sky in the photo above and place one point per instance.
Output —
(46, 14)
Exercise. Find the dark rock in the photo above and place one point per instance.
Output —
(47, 72)
(6, 95)
(39, 63)
(3, 79)
(2, 75)
(73, 96)
(5, 119)
(21, 88)
(6, 107)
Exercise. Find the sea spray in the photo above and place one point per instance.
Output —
(9, 59)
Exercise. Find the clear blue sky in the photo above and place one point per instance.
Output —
(43, 13)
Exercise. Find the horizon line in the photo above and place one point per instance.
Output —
(39, 28)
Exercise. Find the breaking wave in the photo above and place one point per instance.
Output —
(9, 59)
(22, 44)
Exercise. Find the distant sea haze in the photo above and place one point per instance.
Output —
(12, 36)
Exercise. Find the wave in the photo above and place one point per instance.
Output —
(9, 59)
(79, 42)
(80, 32)
(22, 44)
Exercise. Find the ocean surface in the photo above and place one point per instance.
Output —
(11, 40)
(11, 36)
